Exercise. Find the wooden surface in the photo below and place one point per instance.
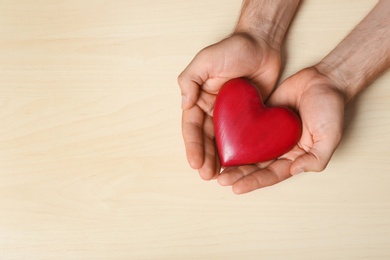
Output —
(92, 163)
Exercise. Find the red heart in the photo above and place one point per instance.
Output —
(247, 131)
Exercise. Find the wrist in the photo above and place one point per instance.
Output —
(264, 30)
(332, 71)
(363, 55)
(266, 19)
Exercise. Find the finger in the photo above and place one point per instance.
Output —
(264, 164)
(274, 173)
(206, 102)
(217, 162)
(295, 152)
(193, 78)
(211, 167)
(192, 129)
(232, 174)
(317, 158)
(283, 95)
(189, 91)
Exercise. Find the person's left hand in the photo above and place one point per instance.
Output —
(320, 103)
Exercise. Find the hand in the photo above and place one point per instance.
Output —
(320, 103)
(240, 55)
(319, 94)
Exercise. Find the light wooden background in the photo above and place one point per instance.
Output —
(92, 164)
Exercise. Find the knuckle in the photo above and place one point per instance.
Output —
(320, 166)
(181, 79)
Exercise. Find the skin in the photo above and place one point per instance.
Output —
(318, 93)
(255, 45)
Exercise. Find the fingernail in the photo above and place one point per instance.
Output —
(297, 171)
(183, 101)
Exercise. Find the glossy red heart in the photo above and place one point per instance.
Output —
(246, 130)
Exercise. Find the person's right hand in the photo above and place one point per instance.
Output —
(240, 55)
(320, 101)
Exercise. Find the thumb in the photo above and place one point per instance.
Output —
(189, 90)
(193, 78)
(317, 158)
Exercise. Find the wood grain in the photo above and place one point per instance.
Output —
(92, 163)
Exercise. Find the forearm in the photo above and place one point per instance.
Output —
(363, 55)
(268, 19)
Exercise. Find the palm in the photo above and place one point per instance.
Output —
(236, 56)
(320, 105)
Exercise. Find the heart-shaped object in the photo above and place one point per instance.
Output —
(249, 132)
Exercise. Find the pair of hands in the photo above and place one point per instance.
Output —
(318, 100)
